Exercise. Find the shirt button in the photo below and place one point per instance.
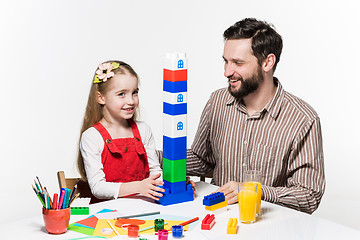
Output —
(245, 142)
(126, 149)
(108, 141)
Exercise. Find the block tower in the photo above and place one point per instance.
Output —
(174, 130)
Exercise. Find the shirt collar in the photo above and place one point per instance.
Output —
(272, 107)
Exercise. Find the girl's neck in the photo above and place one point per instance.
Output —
(120, 129)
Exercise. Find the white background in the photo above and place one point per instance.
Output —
(49, 51)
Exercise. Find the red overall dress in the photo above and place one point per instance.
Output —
(124, 159)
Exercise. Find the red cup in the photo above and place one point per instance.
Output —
(56, 220)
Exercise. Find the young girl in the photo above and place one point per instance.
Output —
(117, 153)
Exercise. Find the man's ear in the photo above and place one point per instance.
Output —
(100, 98)
(269, 62)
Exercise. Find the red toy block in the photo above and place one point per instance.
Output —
(208, 222)
(175, 75)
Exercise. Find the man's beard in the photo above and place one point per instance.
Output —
(248, 85)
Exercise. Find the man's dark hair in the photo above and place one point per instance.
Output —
(264, 39)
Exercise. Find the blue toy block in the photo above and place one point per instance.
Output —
(174, 170)
(175, 87)
(175, 187)
(213, 199)
(175, 109)
(173, 198)
(174, 148)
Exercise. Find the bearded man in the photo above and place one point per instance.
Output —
(254, 124)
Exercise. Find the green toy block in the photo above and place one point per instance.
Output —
(79, 210)
(174, 170)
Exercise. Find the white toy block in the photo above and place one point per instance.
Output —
(175, 61)
(174, 126)
(175, 98)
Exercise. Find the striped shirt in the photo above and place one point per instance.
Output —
(283, 141)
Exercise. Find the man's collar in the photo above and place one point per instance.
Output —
(273, 107)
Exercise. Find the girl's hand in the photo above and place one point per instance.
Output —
(149, 187)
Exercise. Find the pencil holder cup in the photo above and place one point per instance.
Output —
(56, 220)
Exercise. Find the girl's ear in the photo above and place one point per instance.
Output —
(99, 98)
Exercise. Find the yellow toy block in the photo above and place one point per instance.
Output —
(217, 206)
(232, 226)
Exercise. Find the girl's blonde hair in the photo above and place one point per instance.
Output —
(94, 110)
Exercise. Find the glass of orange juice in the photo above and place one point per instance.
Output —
(247, 198)
(254, 176)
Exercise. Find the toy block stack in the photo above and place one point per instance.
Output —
(214, 201)
(174, 130)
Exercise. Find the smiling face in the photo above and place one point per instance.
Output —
(120, 99)
(241, 68)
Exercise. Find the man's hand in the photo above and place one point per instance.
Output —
(230, 190)
(188, 181)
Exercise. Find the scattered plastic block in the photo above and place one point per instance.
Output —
(232, 226)
(213, 198)
(79, 210)
(216, 206)
(208, 222)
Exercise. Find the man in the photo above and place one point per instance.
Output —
(255, 125)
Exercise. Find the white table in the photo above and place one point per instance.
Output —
(276, 222)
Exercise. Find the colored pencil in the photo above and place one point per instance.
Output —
(37, 194)
(68, 192)
(188, 222)
(112, 227)
(73, 192)
(139, 215)
(148, 228)
(37, 186)
(39, 183)
(61, 198)
(63, 205)
(75, 197)
(48, 198)
(55, 201)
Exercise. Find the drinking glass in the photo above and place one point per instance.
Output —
(247, 202)
(254, 176)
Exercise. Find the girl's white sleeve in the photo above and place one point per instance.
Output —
(149, 144)
(91, 147)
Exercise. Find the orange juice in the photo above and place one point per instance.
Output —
(258, 196)
(247, 205)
